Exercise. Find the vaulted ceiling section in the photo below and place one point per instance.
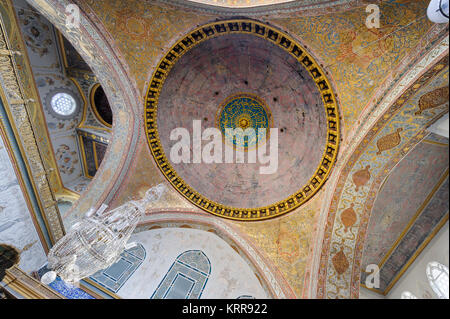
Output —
(384, 199)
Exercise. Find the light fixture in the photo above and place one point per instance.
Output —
(63, 104)
(97, 241)
(438, 11)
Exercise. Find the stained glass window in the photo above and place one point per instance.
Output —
(63, 104)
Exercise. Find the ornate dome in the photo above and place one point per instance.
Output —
(240, 3)
(242, 80)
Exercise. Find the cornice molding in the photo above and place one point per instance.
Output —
(19, 109)
(26, 286)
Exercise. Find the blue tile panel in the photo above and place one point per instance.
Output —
(67, 290)
(115, 276)
(186, 278)
(244, 111)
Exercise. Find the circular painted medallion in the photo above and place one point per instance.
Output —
(241, 75)
(248, 113)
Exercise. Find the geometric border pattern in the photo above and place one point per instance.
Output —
(345, 253)
(243, 26)
(49, 108)
(192, 265)
(270, 278)
(244, 106)
(68, 290)
(132, 257)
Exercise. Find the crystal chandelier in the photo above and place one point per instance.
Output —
(97, 241)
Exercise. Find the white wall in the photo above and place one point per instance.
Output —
(440, 127)
(16, 226)
(365, 293)
(414, 279)
(42, 49)
(230, 275)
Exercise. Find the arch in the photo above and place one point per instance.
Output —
(89, 39)
(270, 278)
(437, 275)
(291, 47)
(303, 7)
(336, 262)
(186, 278)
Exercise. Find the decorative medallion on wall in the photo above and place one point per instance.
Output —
(244, 111)
(242, 74)
(61, 103)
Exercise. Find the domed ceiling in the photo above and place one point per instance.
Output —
(240, 3)
(244, 80)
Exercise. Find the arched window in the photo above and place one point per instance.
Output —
(437, 274)
(408, 295)
(113, 277)
(186, 278)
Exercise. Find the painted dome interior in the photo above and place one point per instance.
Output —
(358, 203)
(234, 64)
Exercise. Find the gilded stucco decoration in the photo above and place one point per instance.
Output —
(356, 80)
(389, 140)
(36, 114)
(121, 92)
(20, 110)
(240, 3)
(155, 94)
(357, 57)
(157, 35)
(429, 51)
(262, 7)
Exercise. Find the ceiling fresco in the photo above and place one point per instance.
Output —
(389, 140)
(124, 41)
(240, 3)
(415, 187)
(110, 70)
(57, 67)
(217, 72)
(358, 58)
(337, 39)
(262, 7)
(43, 52)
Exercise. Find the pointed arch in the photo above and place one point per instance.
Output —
(92, 43)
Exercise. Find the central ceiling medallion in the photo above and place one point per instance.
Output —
(242, 76)
(244, 110)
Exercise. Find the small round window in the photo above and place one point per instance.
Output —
(100, 106)
(63, 104)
